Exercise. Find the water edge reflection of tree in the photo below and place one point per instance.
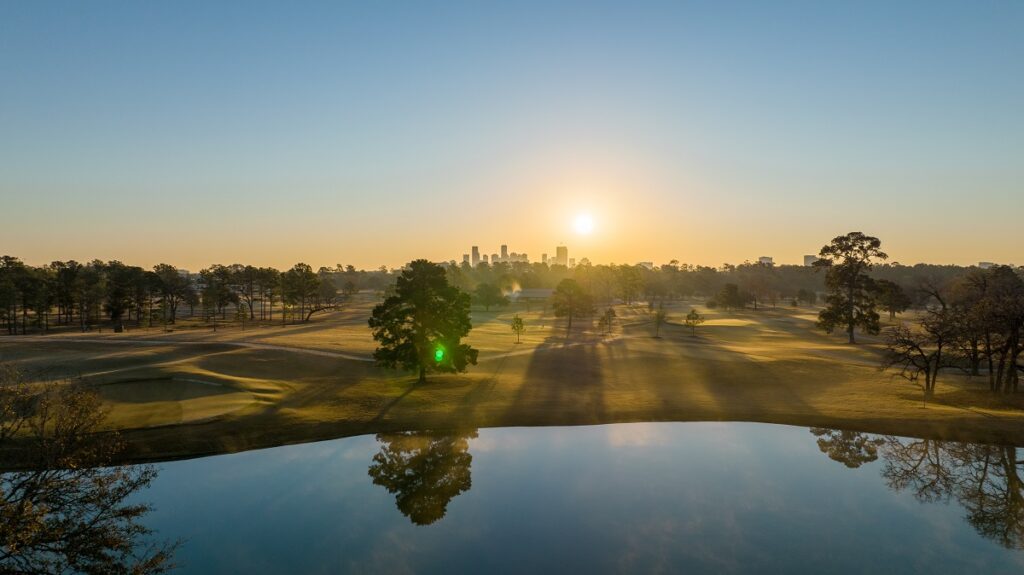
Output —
(425, 470)
(66, 508)
(984, 479)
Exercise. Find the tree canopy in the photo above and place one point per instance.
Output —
(851, 291)
(420, 326)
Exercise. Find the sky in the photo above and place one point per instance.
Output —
(373, 133)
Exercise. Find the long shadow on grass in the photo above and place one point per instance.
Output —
(563, 380)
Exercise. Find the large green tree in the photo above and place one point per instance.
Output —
(421, 325)
(850, 302)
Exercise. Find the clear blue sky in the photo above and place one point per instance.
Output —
(375, 132)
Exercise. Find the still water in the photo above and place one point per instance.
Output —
(643, 497)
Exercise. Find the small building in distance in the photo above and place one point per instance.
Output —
(809, 260)
(531, 295)
(987, 265)
(646, 265)
(766, 261)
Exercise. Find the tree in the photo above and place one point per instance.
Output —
(517, 326)
(570, 300)
(660, 317)
(920, 351)
(693, 319)
(299, 286)
(891, 297)
(216, 292)
(807, 296)
(851, 448)
(68, 509)
(118, 293)
(424, 471)
(607, 319)
(487, 294)
(629, 281)
(730, 297)
(420, 326)
(173, 287)
(851, 292)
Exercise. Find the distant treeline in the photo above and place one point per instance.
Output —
(732, 286)
(97, 293)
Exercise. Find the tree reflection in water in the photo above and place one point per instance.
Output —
(850, 448)
(65, 509)
(984, 479)
(424, 470)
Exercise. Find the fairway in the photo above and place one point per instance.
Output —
(194, 391)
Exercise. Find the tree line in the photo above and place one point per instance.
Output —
(98, 293)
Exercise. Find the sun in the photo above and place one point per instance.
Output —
(583, 224)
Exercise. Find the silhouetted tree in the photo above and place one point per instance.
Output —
(517, 326)
(68, 509)
(607, 320)
(487, 294)
(570, 300)
(173, 287)
(692, 320)
(420, 327)
(922, 350)
(891, 297)
(660, 317)
(851, 292)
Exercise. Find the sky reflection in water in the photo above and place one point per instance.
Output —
(673, 497)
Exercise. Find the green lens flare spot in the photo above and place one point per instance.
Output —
(438, 354)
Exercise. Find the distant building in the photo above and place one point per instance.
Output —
(504, 253)
(531, 294)
(476, 256)
(483, 259)
(465, 258)
(544, 259)
(648, 265)
(494, 259)
(562, 256)
(766, 261)
(987, 265)
(572, 262)
(809, 260)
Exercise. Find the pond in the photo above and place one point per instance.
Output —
(642, 497)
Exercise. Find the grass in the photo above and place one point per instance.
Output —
(194, 392)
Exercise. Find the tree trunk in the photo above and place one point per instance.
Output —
(423, 375)
(853, 310)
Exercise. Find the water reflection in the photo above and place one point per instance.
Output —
(63, 506)
(424, 470)
(984, 479)
(850, 448)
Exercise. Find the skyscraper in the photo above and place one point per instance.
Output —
(562, 256)
(476, 255)
(544, 258)
(504, 253)
(465, 258)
